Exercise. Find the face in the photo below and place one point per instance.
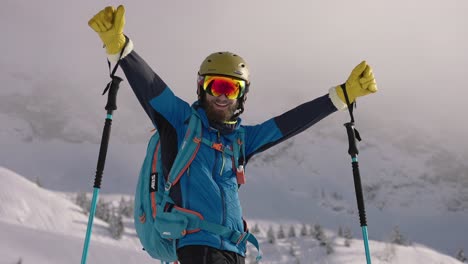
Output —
(219, 108)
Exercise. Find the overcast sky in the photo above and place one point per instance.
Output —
(296, 51)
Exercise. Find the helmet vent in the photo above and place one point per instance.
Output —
(242, 65)
(209, 60)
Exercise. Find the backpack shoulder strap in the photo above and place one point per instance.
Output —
(239, 146)
(239, 156)
(187, 151)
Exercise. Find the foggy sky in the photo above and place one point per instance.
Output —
(296, 51)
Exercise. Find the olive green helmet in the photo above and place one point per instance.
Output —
(225, 63)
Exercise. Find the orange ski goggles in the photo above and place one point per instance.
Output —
(216, 85)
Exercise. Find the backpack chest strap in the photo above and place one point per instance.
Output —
(217, 146)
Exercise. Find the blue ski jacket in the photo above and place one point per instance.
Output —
(209, 187)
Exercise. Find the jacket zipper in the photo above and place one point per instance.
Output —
(222, 157)
(224, 214)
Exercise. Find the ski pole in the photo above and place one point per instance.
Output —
(112, 87)
(353, 151)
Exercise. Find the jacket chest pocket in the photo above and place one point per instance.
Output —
(225, 165)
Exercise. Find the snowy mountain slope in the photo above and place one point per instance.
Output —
(24, 203)
(27, 244)
(58, 223)
(308, 250)
(44, 247)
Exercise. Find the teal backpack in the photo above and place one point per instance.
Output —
(159, 228)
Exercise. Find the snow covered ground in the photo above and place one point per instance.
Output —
(45, 227)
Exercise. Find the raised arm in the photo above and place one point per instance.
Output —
(166, 111)
(261, 137)
(147, 85)
(275, 130)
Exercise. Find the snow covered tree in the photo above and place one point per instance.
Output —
(126, 207)
(461, 256)
(319, 234)
(255, 229)
(38, 182)
(271, 236)
(340, 232)
(329, 247)
(398, 238)
(103, 210)
(292, 231)
(116, 226)
(292, 251)
(83, 201)
(281, 234)
(304, 230)
(312, 230)
(347, 236)
(347, 242)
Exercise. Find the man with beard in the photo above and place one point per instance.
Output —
(210, 190)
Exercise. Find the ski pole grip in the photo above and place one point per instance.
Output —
(352, 150)
(112, 96)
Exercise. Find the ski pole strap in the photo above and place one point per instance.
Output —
(118, 62)
(350, 109)
(350, 105)
(114, 78)
(113, 85)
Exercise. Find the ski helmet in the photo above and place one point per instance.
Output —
(225, 63)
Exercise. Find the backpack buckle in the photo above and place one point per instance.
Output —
(218, 146)
(242, 238)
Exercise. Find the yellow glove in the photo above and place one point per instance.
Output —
(360, 82)
(109, 24)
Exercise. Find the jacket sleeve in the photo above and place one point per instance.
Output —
(277, 129)
(167, 111)
(154, 95)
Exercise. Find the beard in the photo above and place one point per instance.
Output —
(217, 115)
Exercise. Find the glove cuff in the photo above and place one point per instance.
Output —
(114, 58)
(340, 105)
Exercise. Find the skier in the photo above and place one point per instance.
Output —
(211, 189)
